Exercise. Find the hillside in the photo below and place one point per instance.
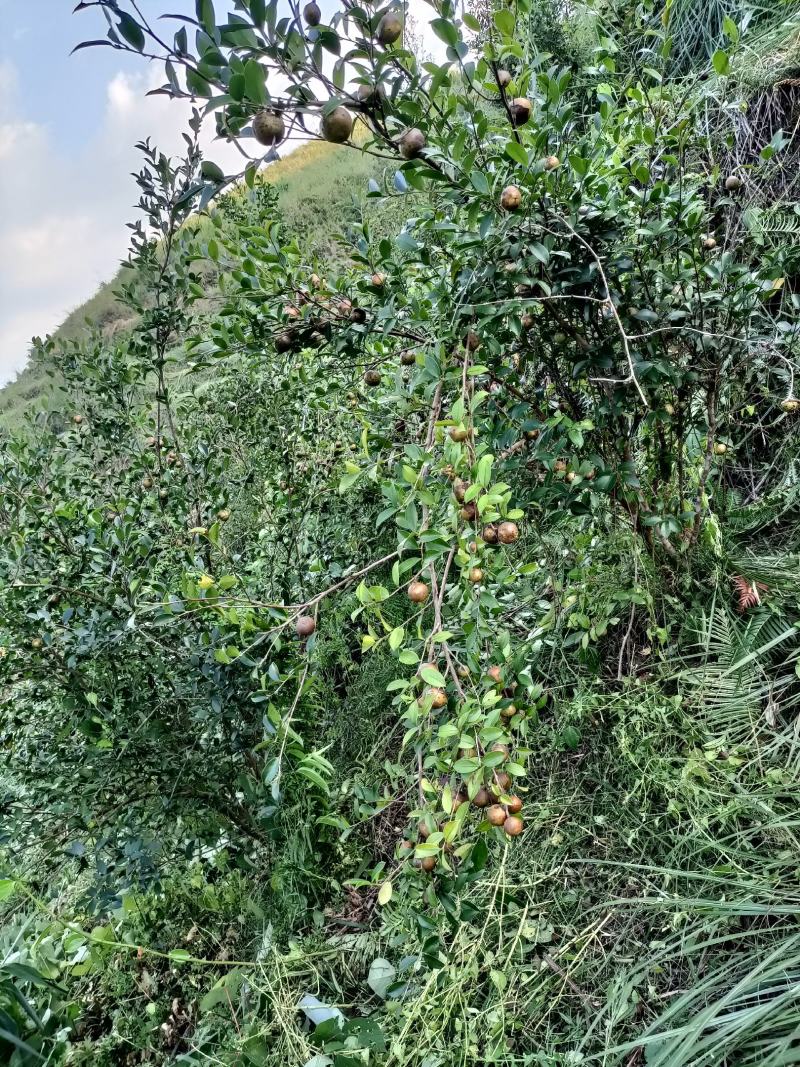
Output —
(400, 635)
(320, 190)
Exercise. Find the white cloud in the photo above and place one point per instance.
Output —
(62, 228)
(121, 97)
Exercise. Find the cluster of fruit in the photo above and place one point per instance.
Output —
(336, 125)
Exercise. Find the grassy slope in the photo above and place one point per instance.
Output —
(321, 189)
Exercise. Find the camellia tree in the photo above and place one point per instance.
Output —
(570, 327)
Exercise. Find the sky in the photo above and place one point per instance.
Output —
(68, 126)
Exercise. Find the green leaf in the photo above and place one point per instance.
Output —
(180, 955)
(517, 153)
(432, 677)
(255, 81)
(721, 62)
(505, 22)
(313, 776)
(731, 30)
(7, 888)
(445, 30)
(132, 32)
(205, 15)
(396, 637)
(479, 182)
(570, 738)
(211, 171)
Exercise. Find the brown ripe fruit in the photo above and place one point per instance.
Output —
(790, 405)
(471, 341)
(669, 409)
(390, 28)
(283, 342)
(269, 128)
(77, 419)
(370, 95)
(496, 674)
(469, 511)
(372, 377)
(458, 433)
(496, 815)
(312, 14)
(378, 280)
(551, 162)
(412, 143)
(438, 698)
(151, 442)
(424, 831)
(732, 183)
(481, 798)
(513, 826)
(337, 125)
(720, 449)
(511, 198)
(498, 746)
(503, 78)
(224, 514)
(358, 315)
(305, 626)
(507, 533)
(709, 244)
(514, 805)
(405, 848)
(147, 482)
(463, 671)
(508, 712)
(315, 281)
(571, 476)
(531, 435)
(408, 359)
(520, 109)
(528, 321)
(460, 488)
(418, 592)
(489, 535)
(36, 642)
(501, 782)
(475, 575)
(427, 863)
(162, 494)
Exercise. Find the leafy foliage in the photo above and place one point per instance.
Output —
(381, 657)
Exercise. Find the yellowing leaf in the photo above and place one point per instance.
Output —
(385, 893)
